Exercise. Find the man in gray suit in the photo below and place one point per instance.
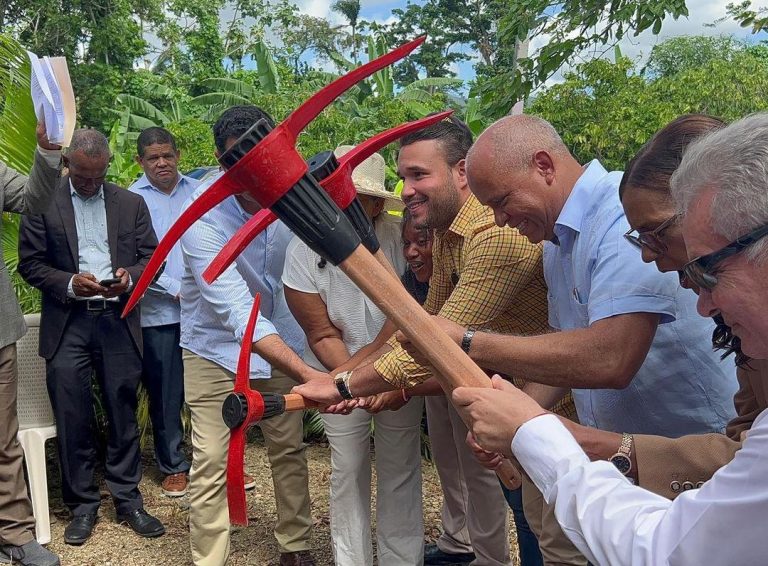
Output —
(25, 196)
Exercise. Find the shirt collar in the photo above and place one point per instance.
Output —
(463, 224)
(578, 203)
(144, 183)
(73, 192)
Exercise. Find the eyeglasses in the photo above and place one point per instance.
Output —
(652, 238)
(702, 270)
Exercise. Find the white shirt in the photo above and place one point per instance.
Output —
(612, 522)
(354, 314)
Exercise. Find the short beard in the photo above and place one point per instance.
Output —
(442, 210)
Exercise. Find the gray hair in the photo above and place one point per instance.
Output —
(733, 162)
(91, 142)
(518, 138)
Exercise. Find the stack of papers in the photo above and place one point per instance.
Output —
(53, 98)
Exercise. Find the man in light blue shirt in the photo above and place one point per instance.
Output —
(638, 358)
(213, 321)
(165, 191)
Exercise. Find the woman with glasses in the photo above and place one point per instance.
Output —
(663, 465)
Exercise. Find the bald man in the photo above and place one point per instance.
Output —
(638, 357)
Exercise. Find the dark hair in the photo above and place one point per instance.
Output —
(724, 339)
(235, 121)
(152, 136)
(454, 136)
(652, 166)
(408, 217)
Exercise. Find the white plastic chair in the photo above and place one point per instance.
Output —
(36, 423)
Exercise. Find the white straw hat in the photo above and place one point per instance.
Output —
(368, 178)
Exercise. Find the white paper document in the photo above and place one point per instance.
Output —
(53, 98)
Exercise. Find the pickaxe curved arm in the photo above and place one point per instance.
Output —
(273, 162)
(243, 408)
(338, 185)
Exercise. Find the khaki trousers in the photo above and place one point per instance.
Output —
(556, 548)
(206, 385)
(474, 513)
(16, 521)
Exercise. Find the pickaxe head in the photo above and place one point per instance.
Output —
(335, 176)
(264, 161)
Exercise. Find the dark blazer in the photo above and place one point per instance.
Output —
(48, 255)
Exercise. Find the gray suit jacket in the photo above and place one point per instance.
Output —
(26, 196)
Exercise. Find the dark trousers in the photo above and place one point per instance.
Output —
(96, 342)
(527, 543)
(164, 381)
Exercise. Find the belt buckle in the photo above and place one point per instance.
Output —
(98, 305)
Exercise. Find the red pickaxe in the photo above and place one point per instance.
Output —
(274, 160)
(243, 408)
(335, 176)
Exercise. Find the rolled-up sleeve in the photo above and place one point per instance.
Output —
(621, 283)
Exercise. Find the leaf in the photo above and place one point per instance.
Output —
(220, 99)
(435, 82)
(143, 108)
(265, 64)
(227, 84)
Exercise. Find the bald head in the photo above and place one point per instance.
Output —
(511, 143)
(521, 168)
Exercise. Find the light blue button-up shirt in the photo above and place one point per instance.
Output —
(92, 239)
(214, 317)
(682, 387)
(160, 306)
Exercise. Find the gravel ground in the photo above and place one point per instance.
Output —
(117, 545)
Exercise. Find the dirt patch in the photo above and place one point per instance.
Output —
(117, 545)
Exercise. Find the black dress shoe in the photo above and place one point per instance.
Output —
(79, 529)
(433, 556)
(142, 523)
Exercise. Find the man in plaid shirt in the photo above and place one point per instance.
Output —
(485, 277)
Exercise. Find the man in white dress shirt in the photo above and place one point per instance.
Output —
(720, 188)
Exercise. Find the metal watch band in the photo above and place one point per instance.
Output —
(466, 341)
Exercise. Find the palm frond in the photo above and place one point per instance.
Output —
(233, 86)
(17, 115)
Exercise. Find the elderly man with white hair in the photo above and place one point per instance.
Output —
(721, 189)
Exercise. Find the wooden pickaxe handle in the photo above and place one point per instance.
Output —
(452, 365)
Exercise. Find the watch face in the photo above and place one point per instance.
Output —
(622, 463)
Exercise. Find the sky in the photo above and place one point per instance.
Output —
(701, 13)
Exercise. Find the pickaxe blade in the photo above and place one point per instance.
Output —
(274, 161)
(338, 184)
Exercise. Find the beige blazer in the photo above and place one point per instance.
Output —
(669, 466)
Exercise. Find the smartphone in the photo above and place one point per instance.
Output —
(110, 282)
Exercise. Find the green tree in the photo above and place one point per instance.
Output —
(350, 9)
(571, 27)
(608, 110)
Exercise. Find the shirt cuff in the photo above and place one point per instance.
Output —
(173, 287)
(70, 289)
(546, 450)
(52, 157)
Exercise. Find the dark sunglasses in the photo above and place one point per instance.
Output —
(652, 238)
(701, 271)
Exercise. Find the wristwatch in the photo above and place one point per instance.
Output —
(622, 459)
(342, 384)
(466, 340)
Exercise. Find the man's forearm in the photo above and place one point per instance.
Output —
(570, 359)
(366, 381)
(280, 356)
(599, 444)
(545, 395)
